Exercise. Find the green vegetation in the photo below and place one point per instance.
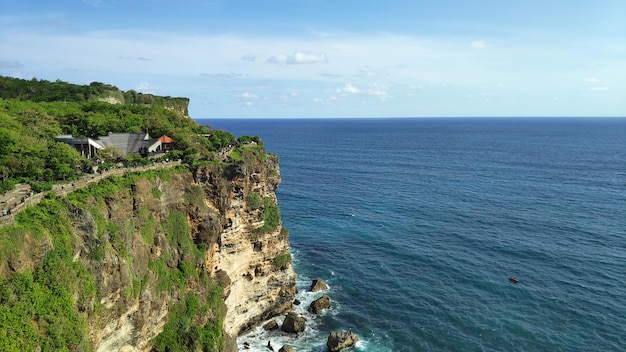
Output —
(254, 200)
(248, 153)
(250, 139)
(33, 112)
(195, 197)
(47, 91)
(282, 260)
(181, 333)
(48, 306)
(271, 216)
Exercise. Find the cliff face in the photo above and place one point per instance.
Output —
(246, 258)
(163, 239)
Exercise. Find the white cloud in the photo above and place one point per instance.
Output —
(348, 89)
(479, 44)
(600, 88)
(592, 80)
(145, 87)
(379, 93)
(331, 99)
(248, 95)
(374, 90)
(298, 58)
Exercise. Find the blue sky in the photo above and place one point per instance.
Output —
(332, 58)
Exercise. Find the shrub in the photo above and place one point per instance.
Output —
(282, 260)
(182, 333)
(254, 200)
(156, 193)
(271, 216)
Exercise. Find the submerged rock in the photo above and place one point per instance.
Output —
(293, 323)
(318, 285)
(338, 340)
(320, 304)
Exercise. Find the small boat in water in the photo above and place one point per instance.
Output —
(513, 279)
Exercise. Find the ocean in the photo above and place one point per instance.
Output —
(417, 224)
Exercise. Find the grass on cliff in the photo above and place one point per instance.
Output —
(254, 200)
(46, 309)
(271, 216)
(281, 260)
(249, 154)
(182, 331)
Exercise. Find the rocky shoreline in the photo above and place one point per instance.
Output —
(294, 323)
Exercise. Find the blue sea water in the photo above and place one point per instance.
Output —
(416, 224)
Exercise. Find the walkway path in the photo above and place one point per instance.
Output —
(20, 197)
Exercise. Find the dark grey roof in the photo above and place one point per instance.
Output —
(126, 142)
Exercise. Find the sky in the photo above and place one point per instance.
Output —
(332, 58)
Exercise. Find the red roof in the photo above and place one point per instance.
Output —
(166, 139)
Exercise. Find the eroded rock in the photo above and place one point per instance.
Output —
(318, 285)
(338, 340)
(271, 325)
(320, 304)
(287, 348)
(293, 323)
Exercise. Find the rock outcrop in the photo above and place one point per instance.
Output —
(287, 348)
(338, 340)
(293, 323)
(320, 304)
(318, 285)
(270, 325)
(246, 249)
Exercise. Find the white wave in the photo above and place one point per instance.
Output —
(311, 339)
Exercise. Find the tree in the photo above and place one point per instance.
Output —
(133, 159)
(63, 161)
(109, 155)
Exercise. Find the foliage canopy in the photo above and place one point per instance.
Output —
(33, 112)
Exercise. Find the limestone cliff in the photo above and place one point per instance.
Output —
(155, 243)
(246, 255)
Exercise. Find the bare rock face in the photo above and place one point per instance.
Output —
(318, 285)
(258, 289)
(293, 323)
(338, 340)
(320, 304)
(287, 348)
